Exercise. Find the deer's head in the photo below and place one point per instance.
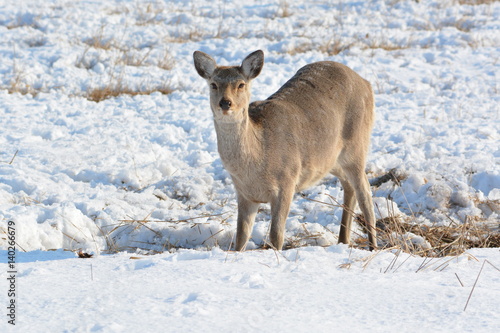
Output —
(229, 85)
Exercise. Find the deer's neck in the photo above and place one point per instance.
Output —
(239, 144)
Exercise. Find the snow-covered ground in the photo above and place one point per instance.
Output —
(309, 289)
(142, 173)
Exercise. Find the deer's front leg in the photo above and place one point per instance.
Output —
(280, 208)
(246, 217)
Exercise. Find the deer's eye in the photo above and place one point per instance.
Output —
(241, 86)
(213, 86)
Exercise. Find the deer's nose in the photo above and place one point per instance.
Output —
(225, 104)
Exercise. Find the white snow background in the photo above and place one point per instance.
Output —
(136, 175)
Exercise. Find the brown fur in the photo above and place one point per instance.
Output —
(318, 122)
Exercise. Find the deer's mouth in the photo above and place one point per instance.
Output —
(229, 115)
(227, 111)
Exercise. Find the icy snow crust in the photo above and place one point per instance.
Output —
(142, 173)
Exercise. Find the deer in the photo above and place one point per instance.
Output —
(318, 123)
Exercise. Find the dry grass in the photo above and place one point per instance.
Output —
(331, 47)
(149, 14)
(431, 241)
(160, 243)
(18, 83)
(439, 241)
(19, 86)
(384, 44)
(337, 44)
(99, 41)
(108, 50)
(305, 237)
(115, 89)
(167, 61)
(127, 57)
(334, 46)
(415, 238)
(476, 2)
(20, 22)
(393, 233)
(284, 9)
(134, 58)
(139, 58)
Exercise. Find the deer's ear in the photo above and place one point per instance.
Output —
(205, 64)
(252, 64)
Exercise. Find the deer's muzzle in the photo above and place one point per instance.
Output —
(225, 104)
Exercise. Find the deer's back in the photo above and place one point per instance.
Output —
(323, 85)
(324, 109)
(322, 94)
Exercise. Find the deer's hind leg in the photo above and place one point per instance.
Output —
(348, 207)
(356, 188)
(357, 178)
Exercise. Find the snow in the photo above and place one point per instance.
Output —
(307, 289)
(135, 175)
